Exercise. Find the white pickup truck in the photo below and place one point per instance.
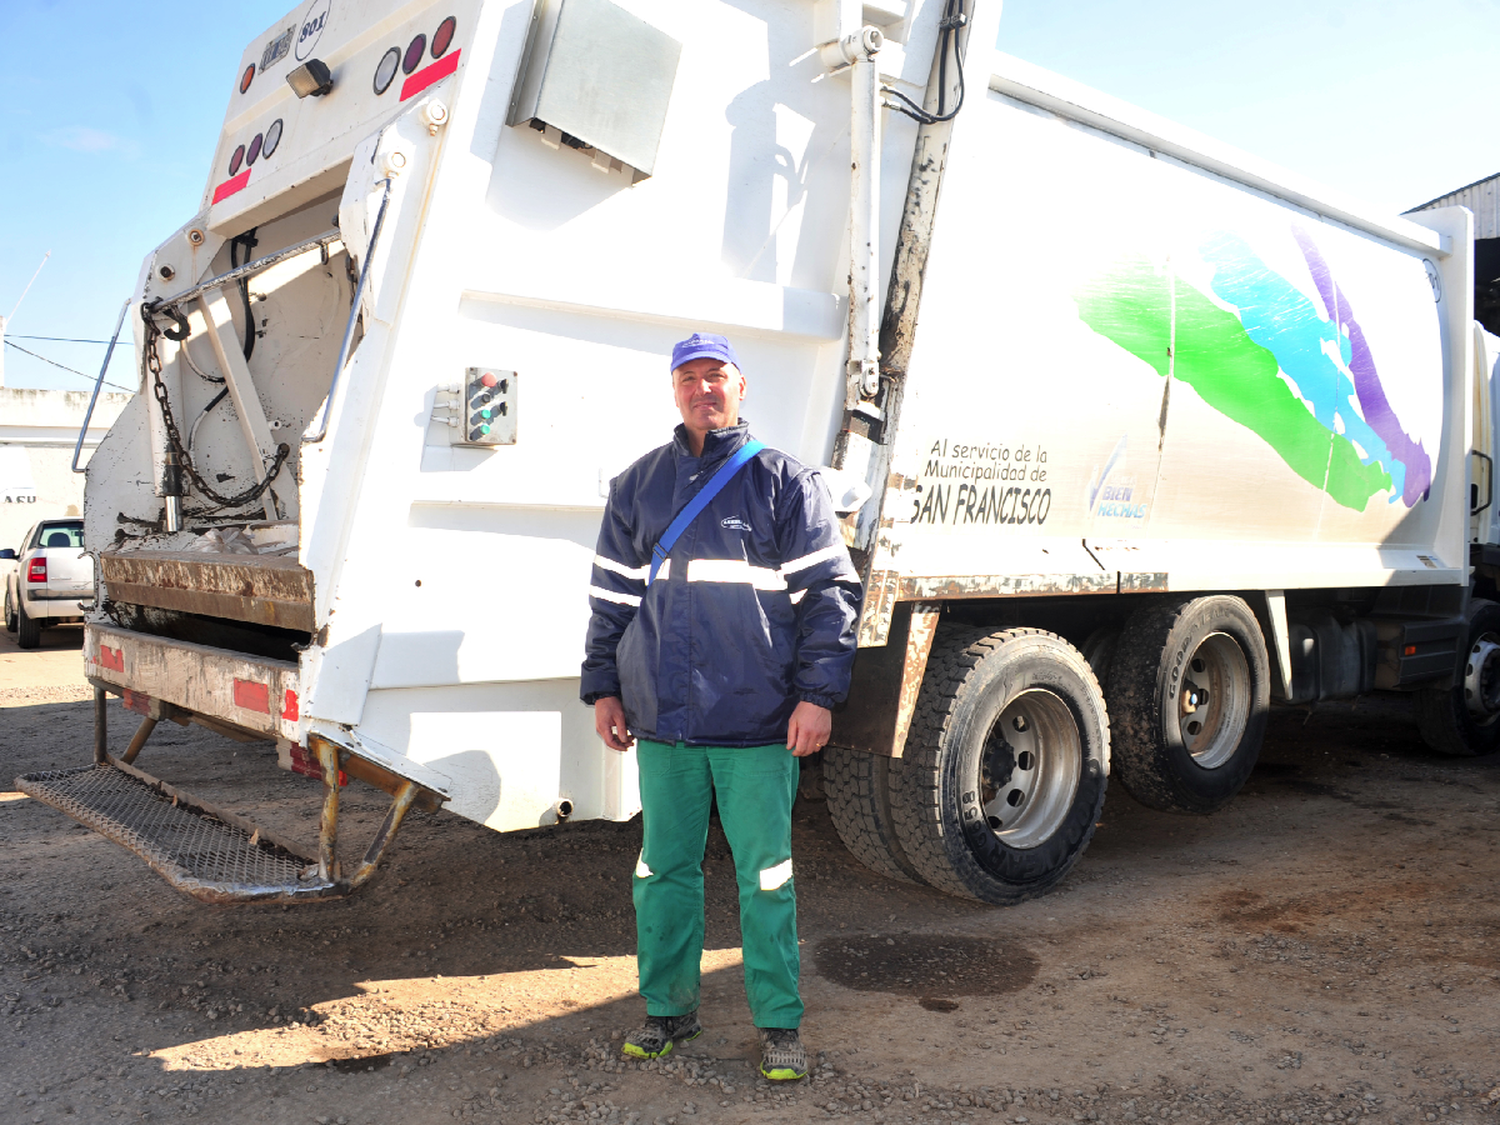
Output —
(51, 578)
(1135, 435)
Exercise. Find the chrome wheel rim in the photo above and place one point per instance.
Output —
(1213, 702)
(1030, 769)
(1482, 679)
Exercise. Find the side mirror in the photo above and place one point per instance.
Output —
(7, 553)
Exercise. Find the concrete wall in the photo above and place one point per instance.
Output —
(38, 429)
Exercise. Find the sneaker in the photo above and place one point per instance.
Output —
(656, 1037)
(782, 1056)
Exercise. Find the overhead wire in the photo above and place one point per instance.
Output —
(56, 339)
(73, 370)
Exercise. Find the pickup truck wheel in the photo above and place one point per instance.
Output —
(10, 614)
(28, 629)
(858, 791)
(1005, 767)
(1189, 691)
(1465, 720)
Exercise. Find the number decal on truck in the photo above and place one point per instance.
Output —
(312, 29)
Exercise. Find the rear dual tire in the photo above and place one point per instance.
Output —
(857, 786)
(1189, 693)
(1005, 768)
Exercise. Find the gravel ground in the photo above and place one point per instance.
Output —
(1326, 949)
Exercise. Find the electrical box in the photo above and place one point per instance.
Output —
(596, 78)
(489, 407)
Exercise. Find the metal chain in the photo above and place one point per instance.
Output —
(174, 438)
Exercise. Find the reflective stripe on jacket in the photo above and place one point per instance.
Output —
(753, 611)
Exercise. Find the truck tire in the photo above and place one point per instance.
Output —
(1005, 767)
(1465, 720)
(28, 629)
(1099, 650)
(1189, 691)
(857, 787)
(10, 614)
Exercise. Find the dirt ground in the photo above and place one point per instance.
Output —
(1326, 949)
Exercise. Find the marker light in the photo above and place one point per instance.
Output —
(273, 138)
(385, 72)
(236, 160)
(312, 78)
(253, 154)
(247, 78)
(414, 51)
(442, 38)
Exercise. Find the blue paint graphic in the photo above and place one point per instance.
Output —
(1278, 317)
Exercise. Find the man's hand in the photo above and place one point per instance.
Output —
(609, 721)
(808, 730)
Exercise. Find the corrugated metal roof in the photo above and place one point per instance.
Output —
(1481, 197)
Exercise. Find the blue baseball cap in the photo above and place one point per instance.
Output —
(701, 345)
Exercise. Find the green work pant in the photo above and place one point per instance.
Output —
(755, 786)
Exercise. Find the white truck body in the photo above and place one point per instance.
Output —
(1144, 365)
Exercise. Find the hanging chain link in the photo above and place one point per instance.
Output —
(174, 437)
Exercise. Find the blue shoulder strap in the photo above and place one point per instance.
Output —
(691, 509)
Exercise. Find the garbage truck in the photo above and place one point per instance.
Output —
(1132, 435)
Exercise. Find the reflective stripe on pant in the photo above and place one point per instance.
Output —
(755, 786)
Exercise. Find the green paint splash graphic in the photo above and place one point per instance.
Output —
(1132, 305)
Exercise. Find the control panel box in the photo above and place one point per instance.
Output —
(489, 407)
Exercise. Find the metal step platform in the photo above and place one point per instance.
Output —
(205, 852)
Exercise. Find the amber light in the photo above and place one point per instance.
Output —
(442, 38)
(1409, 650)
(247, 78)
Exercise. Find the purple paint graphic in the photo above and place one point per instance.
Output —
(1372, 401)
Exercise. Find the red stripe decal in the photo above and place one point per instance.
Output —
(229, 187)
(252, 696)
(135, 701)
(430, 74)
(112, 658)
(289, 711)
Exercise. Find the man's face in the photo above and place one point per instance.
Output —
(708, 394)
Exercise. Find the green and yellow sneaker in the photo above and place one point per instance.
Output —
(656, 1037)
(782, 1056)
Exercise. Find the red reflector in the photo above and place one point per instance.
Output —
(1409, 650)
(429, 74)
(289, 708)
(442, 38)
(112, 658)
(37, 571)
(252, 696)
(305, 762)
(229, 187)
(135, 701)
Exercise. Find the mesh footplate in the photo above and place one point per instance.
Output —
(192, 849)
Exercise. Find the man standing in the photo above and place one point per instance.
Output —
(721, 640)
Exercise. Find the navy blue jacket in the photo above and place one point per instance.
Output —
(753, 611)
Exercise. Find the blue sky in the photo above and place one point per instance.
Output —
(104, 145)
